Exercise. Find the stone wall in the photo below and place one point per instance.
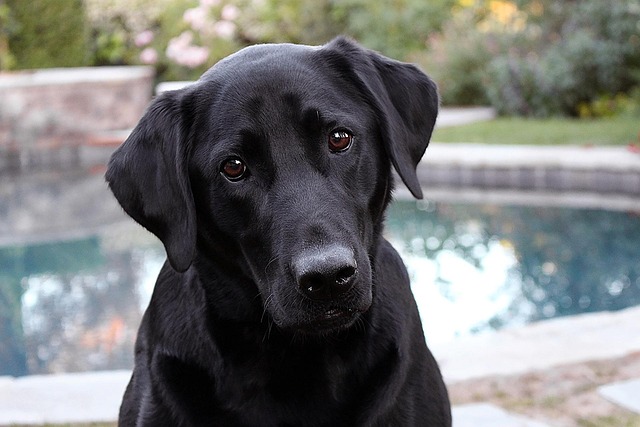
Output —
(47, 115)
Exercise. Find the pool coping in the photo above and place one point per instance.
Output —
(540, 345)
(556, 169)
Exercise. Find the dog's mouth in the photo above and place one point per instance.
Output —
(336, 313)
(321, 318)
(335, 316)
(330, 320)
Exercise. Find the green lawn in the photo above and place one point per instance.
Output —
(609, 131)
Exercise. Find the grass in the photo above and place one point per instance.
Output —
(609, 131)
(625, 421)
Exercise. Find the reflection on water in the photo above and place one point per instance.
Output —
(75, 305)
(71, 274)
(72, 301)
(484, 267)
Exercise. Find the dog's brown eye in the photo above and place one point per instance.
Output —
(233, 169)
(340, 140)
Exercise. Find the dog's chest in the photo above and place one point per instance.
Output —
(287, 383)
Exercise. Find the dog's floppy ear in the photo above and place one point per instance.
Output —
(148, 174)
(406, 101)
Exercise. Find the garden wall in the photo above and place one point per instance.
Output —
(46, 116)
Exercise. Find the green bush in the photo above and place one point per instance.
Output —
(576, 53)
(620, 104)
(48, 33)
(7, 28)
(397, 28)
(537, 58)
(457, 59)
(522, 87)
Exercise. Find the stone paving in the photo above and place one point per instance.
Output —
(623, 393)
(461, 116)
(487, 415)
(65, 398)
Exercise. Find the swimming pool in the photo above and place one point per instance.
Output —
(76, 277)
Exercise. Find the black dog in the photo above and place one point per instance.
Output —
(281, 304)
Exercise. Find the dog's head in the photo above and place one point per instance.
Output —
(274, 169)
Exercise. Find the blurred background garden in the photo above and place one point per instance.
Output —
(543, 224)
(531, 58)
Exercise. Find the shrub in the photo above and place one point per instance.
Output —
(520, 86)
(48, 33)
(537, 57)
(577, 53)
(457, 59)
(8, 27)
(608, 106)
(397, 30)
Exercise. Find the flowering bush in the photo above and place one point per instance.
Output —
(180, 38)
(209, 26)
(114, 24)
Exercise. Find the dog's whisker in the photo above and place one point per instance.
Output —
(361, 324)
(267, 333)
(270, 328)
(271, 261)
(267, 301)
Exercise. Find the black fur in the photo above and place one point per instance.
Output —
(281, 303)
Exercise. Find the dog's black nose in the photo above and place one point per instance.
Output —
(325, 273)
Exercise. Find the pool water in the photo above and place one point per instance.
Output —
(479, 268)
(74, 304)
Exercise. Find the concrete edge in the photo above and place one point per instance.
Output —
(623, 393)
(541, 345)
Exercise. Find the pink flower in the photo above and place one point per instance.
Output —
(224, 29)
(194, 56)
(196, 18)
(182, 52)
(178, 43)
(230, 12)
(144, 38)
(149, 56)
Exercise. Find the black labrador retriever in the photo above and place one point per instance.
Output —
(281, 303)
